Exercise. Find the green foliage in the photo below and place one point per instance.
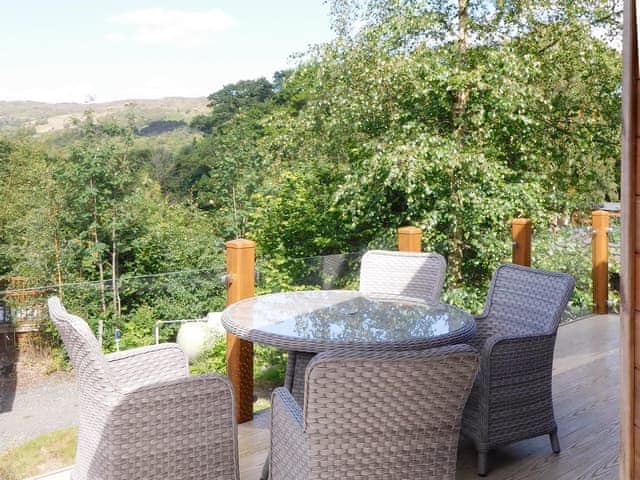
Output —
(27, 197)
(40, 455)
(269, 365)
(236, 98)
(213, 359)
(324, 272)
(400, 125)
(139, 328)
(292, 220)
(418, 113)
(160, 126)
(94, 224)
(224, 169)
(568, 249)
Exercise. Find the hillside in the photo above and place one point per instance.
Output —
(49, 118)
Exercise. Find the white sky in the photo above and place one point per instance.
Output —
(70, 50)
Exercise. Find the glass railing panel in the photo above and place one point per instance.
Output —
(132, 306)
(614, 262)
(325, 272)
(567, 248)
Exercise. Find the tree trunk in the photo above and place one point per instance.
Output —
(58, 254)
(462, 95)
(114, 269)
(98, 260)
(456, 254)
(459, 110)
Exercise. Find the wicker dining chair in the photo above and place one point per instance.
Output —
(142, 415)
(511, 399)
(374, 415)
(384, 273)
(407, 274)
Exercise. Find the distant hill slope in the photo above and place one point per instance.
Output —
(53, 117)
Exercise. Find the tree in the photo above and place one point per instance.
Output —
(222, 171)
(231, 100)
(99, 176)
(28, 218)
(456, 116)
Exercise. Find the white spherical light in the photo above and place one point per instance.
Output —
(192, 338)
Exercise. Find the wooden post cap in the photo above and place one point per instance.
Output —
(409, 239)
(410, 231)
(239, 243)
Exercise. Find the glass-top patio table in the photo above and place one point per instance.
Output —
(308, 322)
(318, 320)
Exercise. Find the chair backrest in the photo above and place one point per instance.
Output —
(523, 300)
(93, 375)
(387, 414)
(417, 275)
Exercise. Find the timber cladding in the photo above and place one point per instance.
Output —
(630, 252)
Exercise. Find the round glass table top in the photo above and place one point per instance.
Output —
(317, 320)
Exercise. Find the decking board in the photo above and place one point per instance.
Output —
(586, 392)
(586, 386)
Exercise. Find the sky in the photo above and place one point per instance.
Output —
(83, 50)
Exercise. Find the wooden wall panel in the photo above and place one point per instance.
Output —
(630, 264)
(636, 436)
(637, 99)
(637, 224)
(636, 292)
(637, 163)
(636, 334)
(636, 410)
(636, 339)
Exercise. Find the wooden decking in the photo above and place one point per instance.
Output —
(585, 388)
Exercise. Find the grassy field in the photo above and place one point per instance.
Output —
(56, 450)
(45, 453)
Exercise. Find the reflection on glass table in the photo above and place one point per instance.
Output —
(308, 322)
(314, 321)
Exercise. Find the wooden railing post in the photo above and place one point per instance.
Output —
(600, 259)
(241, 256)
(521, 241)
(409, 239)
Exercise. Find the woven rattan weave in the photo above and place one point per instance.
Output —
(511, 399)
(374, 416)
(406, 274)
(142, 416)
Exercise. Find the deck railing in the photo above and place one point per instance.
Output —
(521, 229)
(203, 291)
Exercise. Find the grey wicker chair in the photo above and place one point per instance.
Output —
(385, 273)
(417, 275)
(374, 415)
(142, 415)
(511, 399)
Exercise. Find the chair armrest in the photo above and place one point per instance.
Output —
(173, 428)
(145, 365)
(517, 358)
(289, 448)
(483, 331)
